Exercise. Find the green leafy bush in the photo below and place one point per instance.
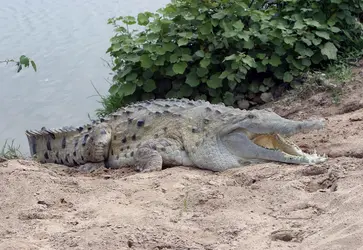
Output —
(227, 50)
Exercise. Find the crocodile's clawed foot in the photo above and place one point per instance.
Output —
(90, 167)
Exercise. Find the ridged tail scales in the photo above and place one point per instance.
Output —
(70, 146)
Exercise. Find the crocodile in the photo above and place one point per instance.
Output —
(149, 135)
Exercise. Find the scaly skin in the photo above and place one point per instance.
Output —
(151, 134)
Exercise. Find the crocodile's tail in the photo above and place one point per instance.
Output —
(70, 146)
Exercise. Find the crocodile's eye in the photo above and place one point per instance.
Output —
(251, 116)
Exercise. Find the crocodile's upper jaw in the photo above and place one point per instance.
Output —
(247, 145)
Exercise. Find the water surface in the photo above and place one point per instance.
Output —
(67, 40)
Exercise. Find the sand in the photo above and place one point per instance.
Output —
(261, 206)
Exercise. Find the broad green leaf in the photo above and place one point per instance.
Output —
(228, 98)
(202, 72)
(149, 85)
(306, 62)
(218, 15)
(129, 20)
(160, 61)
(113, 89)
(238, 25)
(146, 62)
(335, 29)
(249, 44)
(174, 58)
(127, 89)
(206, 28)
(253, 87)
(329, 50)
(299, 25)
(204, 63)
(24, 60)
(230, 57)
(169, 47)
(147, 74)
(182, 42)
(224, 74)
(305, 40)
(232, 84)
(288, 77)
(290, 40)
(214, 82)
(180, 67)
(249, 61)
(322, 34)
(303, 50)
(192, 79)
(311, 22)
(260, 67)
(261, 56)
(275, 60)
(185, 90)
(142, 19)
(131, 77)
(199, 53)
(186, 58)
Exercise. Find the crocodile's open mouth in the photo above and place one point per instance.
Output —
(275, 142)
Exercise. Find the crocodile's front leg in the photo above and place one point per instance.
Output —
(153, 154)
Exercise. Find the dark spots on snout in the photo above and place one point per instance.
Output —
(64, 142)
(46, 155)
(140, 123)
(85, 139)
(49, 146)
